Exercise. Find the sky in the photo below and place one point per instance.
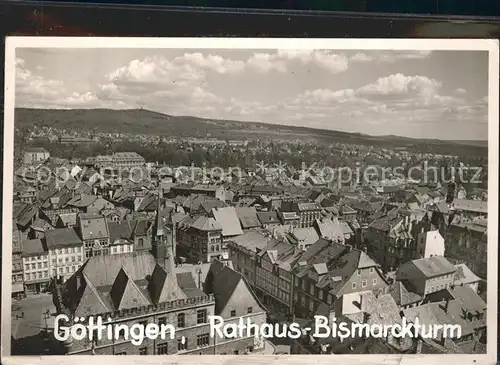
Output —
(419, 94)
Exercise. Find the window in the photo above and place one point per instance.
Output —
(203, 340)
(181, 320)
(201, 316)
(249, 310)
(141, 242)
(374, 281)
(233, 313)
(182, 344)
(372, 270)
(359, 272)
(354, 285)
(162, 349)
(162, 321)
(364, 283)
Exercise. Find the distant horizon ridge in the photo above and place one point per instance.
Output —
(140, 109)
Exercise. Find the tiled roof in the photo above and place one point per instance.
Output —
(303, 207)
(63, 237)
(208, 205)
(401, 295)
(268, 217)
(248, 217)
(93, 227)
(432, 266)
(206, 224)
(82, 201)
(68, 218)
(253, 240)
(109, 282)
(125, 294)
(306, 236)
(477, 206)
(33, 247)
(426, 267)
(229, 221)
(454, 313)
(464, 275)
(222, 281)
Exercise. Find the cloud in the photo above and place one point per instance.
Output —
(210, 62)
(184, 85)
(35, 90)
(389, 56)
(282, 60)
(395, 104)
(399, 85)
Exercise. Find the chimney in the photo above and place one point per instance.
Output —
(199, 277)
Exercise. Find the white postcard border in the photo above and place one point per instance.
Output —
(492, 46)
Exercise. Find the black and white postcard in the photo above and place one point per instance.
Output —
(260, 200)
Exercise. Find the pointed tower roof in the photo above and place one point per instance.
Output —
(125, 294)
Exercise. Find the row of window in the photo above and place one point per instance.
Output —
(37, 275)
(249, 311)
(69, 250)
(36, 258)
(364, 283)
(17, 278)
(67, 259)
(202, 340)
(201, 317)
(432, 289)
(122, 249)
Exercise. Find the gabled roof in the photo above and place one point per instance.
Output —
(62, 237)
(426, 267)
(163, 287)
(125, 294)
(210, 204)
(186, 282)
(403, 296)
(253, 240)
(93, 226)
(222, 281)
(106, 282)
(464, 275)
(268, 217)
(248, 217)
(33, 247)
(206, 224)
(82, 201)
(228, 219)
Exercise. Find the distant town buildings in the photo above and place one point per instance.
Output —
(35, 155)
(272, 246)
